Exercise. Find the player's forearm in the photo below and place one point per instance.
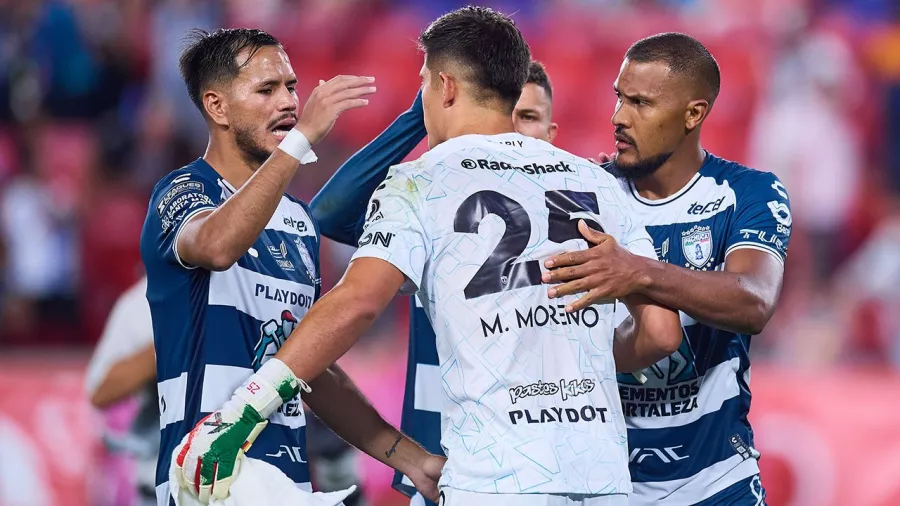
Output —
(340, 206)
(125, 377)
(340, 404)
(651, 333)
(225, 234)
(328, 331)
(725, 300)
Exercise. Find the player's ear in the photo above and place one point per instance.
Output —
(695, 114)
(216, 108)
(449, 89)
(551, 134)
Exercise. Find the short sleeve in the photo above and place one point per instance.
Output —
(762, 216)
(175, 200)
(393, 230)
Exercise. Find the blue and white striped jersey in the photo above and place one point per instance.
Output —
(212, 330)
(688, 432)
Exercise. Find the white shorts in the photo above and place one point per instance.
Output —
(454, 497)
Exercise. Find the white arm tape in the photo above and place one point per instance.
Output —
(297, 145)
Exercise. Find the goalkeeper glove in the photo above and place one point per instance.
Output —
(210, 454)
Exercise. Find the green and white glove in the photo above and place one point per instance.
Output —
(210, 454)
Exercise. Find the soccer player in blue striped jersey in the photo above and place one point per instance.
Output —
(340, 208)
(233, 266)
(721, 231)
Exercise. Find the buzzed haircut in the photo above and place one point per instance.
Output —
(487, 45)
(210, 58)
(683, 55)
(537, 74)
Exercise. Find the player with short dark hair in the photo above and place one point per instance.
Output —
(441, 227)
(534, 110)
(722, 233)
(233, 265)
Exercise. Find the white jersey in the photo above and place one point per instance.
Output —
(531, 402)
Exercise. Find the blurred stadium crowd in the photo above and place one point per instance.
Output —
(93, 112)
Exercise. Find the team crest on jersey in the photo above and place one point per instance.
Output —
(273, 333)
(307, 260)
(697, 246)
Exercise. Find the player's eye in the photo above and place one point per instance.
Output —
(292, 89)
(266, 91)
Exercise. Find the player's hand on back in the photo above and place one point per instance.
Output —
(426, 478)
(329, 100)
(606, 271)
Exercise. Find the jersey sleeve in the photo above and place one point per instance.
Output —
(340, 206)
(393, 229)
(762, 216)
(175, 200)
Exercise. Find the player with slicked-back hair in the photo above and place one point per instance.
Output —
(722, 232)
(232, 267)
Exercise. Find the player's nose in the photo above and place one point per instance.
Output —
(287, 101)
(618, 118)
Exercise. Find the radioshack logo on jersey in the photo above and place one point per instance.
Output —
(273, 333)
(531, 168)
(697, 246)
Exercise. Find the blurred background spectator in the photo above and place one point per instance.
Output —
(93, 112)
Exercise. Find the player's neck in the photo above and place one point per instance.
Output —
(481, 122)
(673, 175)
(228, 162)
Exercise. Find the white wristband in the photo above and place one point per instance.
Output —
(297, 145)
(272, 385)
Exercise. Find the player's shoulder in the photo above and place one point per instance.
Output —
(746, 182)
(193, 176)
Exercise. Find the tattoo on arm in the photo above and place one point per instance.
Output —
(393, 447)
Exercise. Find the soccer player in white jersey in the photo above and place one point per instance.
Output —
(532, 414)
(232, 266)
(721, 231)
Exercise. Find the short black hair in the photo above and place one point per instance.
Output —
(212, 57)
(537, 74)
(485, 43)
(684, 55)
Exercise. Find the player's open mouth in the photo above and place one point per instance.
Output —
(623, 143)
(283, 127)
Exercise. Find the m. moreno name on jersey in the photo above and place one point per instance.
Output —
(540, 316)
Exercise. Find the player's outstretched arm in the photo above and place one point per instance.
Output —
(338, 403)
(652, 333)
(209, 452)
(216, 239)
(340, 206)
(740, 299)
